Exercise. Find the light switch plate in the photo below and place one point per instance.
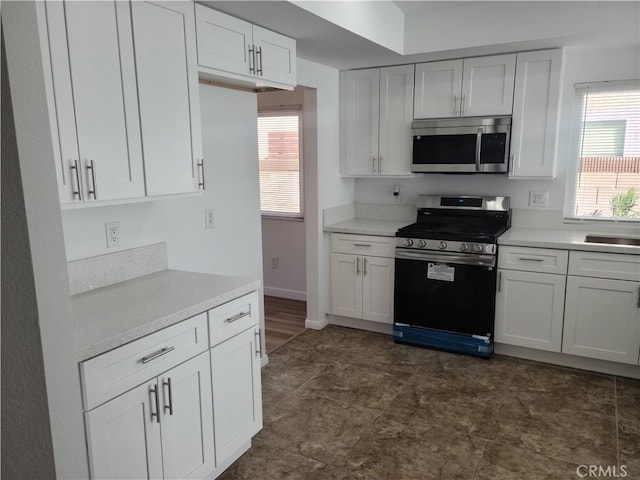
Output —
(538, 199)
(209, 218)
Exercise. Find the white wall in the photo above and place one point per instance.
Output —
(584, 64)
(323, 185)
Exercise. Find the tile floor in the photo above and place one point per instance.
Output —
(347, 404)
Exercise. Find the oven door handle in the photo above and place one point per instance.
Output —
(460, 259)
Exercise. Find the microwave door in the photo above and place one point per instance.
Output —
(446, 150)
(493, 153)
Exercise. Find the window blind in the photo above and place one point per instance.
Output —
(279, 152)
(607, 183)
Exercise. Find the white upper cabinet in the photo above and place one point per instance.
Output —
(472, 87)
(438, 89)
(534, 130)
(232, 50)
(93, 101)
(376, 116)
(165, 51)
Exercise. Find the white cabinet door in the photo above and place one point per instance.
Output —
(187, 419)
(529, 309)
(237, 397)
(396, 115)
(534, 130)
(123, 438)
(346, 285)
(602, 319)
(487, 85)
(223, 41)
(360, 103)
(165, 49)
(377, 288)
(94, 86)
(438, 87)
(275, 56)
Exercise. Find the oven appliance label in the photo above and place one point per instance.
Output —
(440, 271)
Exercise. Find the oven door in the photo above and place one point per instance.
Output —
(447, 292)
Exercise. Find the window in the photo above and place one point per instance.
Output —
(280, 157)
(607, 171)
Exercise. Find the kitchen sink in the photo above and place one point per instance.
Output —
(612, 240)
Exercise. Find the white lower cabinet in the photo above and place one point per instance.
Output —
(362, 277)
(237, 398)
(529, 309)
(602, 319)
(161, 429)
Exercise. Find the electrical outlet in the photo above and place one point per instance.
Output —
(538, 199)
(274, 263)
(113, 234)
(397, 193)
(208, 218)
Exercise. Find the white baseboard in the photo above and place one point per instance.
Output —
(316, 324)
(360, 324)
(264, 360)
(284, 293)
(565, 360)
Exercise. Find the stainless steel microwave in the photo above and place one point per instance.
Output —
(461, 145)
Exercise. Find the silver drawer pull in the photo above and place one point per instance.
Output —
(361, 245)
(159, 353)
(525, 259)
(237, 317)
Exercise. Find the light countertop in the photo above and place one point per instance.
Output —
(111, 316)
(559, 238)
(367, 226)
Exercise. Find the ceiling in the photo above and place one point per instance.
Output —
(322, 41)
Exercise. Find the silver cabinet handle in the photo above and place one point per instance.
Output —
(364, 269)
(237, 317)
(499, 281)
(357, 265)
(525, 259)
(373, 164)
(259, 68)
(639, 298)
(167, 383)
(512, 166)
(258, 342)
(159, 353)
(478, 148)
(462, 102)
(361, 244)
(252, 60)
(92, 167)
(76, 171)
(455, 105)
(154, 393)
(380, 164)
(201, 173)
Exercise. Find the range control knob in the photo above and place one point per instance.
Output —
(464, 247)
(477, 248)
(442, 245)
(408, 242)
(422, 244)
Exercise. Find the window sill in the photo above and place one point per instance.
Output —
(283, 217)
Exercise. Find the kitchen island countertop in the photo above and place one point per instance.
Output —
(108, 317)
(368, 226)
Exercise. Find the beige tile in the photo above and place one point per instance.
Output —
(394, 450)
(316, 427)
(503, 462)
(628, 395)
(541, 422)
(629, 447)
(366, 386)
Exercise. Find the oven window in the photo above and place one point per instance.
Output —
(444, 149)
(465, 305)
(493, 148)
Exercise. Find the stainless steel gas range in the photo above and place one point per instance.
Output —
(445, 273)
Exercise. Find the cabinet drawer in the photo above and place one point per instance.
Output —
(363, 245)
(233, 317)
(616, 266)
(112, 373)
(544, 260)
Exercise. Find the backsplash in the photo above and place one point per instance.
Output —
(96, 272)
